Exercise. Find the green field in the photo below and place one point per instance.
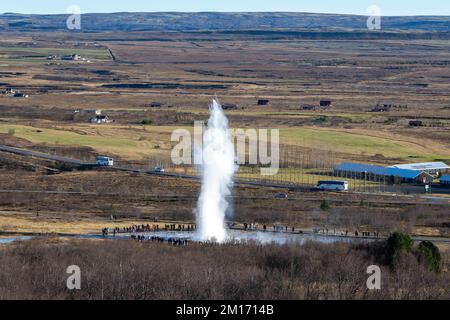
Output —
(357, 143)
(136, 141)
(104, 144)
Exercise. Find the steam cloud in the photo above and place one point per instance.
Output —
(218, 168)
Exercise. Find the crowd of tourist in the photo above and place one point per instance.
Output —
(133, 229)
(170, 240)
(148, 228)
(346, 233)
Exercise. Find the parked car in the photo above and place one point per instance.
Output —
(104, 161)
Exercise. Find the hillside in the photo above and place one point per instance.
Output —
(218, 21)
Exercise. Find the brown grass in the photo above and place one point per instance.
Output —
(130, 270)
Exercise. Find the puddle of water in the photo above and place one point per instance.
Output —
(14, 239)
(235, 236)
(242, 236)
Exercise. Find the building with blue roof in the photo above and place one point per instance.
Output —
(377, 173)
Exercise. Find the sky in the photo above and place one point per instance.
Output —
(388, 7)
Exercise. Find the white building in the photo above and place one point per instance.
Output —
(99, 119)
(428, 167)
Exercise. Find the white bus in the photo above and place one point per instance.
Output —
(333, 185)
(104, 161)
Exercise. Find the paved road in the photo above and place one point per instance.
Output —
(41, 155)
(238, 181)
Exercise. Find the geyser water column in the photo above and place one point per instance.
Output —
(217, 168)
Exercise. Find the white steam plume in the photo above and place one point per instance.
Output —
(218, 168)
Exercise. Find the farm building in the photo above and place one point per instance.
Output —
(376, 173)
(325, 103)
(19, 94)
(230, 106)
(445, 180)
(155, 104)
(416, 123)
(100, 119)
(9, 91)
(385, 107)
(428, 167)
(72, 57)
(311, 107)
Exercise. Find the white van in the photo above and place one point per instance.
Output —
(104, 161)
(333, 185)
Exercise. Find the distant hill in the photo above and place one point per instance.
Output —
(103, 22)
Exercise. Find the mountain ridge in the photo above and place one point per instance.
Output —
(187, 21)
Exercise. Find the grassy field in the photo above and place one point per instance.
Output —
(363, 142)
(101, 139)
(272, 70)
(138, 142)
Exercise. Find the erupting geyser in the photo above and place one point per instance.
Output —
(218, 168)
